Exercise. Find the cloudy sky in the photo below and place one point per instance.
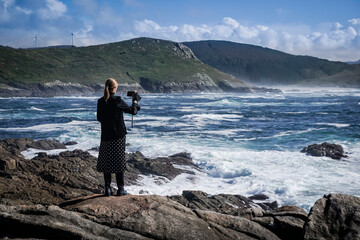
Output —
(323, 28)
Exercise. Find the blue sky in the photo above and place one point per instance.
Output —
(323, 28)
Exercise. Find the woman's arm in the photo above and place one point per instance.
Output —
(99, 113)
(123, 106)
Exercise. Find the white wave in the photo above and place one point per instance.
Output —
(52, 126)
(211, 116)
(295, 112)
(186, 109)
(326, 103)
(287, 177)
(226, 132)
(260, 119)
(264, 104)
(77, 97)
(37, 109)
(338, 125)
(73, 109)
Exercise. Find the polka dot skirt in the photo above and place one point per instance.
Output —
(112, 156)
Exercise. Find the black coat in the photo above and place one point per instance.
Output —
(110, 115)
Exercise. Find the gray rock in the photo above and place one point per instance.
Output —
(52, 179)
(222, 203)
(161, 166)
(251, 229)
(22, 144)
(335, 216)
(333, 151)
(153, 216)
(52, 222)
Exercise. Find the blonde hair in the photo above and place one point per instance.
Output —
(110, 83)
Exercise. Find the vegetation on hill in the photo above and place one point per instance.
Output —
(260, 65)
(143, 60)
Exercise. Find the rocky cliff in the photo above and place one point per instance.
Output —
(58, 197)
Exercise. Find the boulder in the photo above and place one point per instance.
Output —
(70, 143)
(335, 216)
(22, 144)
(247, 228)
(161, 166)
(159, 217)
(52, 222)
(333, 151)
(222, 203)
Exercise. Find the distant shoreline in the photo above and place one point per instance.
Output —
(74, 89)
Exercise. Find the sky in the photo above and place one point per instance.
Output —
(327, 29)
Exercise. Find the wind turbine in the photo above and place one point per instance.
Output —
(72, 39)
(35, 39)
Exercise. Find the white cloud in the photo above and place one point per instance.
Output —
(337, 25)
(355, 21)
(24, 10)
(231, 22)
(336, 38)
(148, 26)
(54, 9)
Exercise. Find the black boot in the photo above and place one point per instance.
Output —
(120, 183)
(107, 178)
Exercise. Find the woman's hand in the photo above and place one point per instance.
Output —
(134, 100)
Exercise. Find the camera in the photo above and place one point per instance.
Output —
(134, 95)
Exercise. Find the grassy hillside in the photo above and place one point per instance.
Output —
(132, 61)
(260, 65)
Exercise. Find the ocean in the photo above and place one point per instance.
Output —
(244, 143)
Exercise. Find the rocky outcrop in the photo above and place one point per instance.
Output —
(52, 222)
(158, 217)
(51, 179)
(333, 151)
(22, 144)
(286, 222)
(335, 216)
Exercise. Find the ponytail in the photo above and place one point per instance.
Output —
(106, 93)
(110, 83)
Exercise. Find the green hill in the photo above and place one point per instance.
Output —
(156, 65)
(264, 66)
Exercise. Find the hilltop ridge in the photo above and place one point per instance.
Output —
(265, 66)
(152, 65)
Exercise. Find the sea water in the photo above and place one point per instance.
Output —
(244, 143)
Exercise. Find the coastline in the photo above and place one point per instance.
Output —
(63, 187)
(58, 88)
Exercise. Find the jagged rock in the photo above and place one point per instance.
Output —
(242, 225)
(70, 143)
(161, 166)
(222, 203)
(335, 216)
(153, 216)
(51, 179)
(9, 157)
(52, 222)
(22, 144)
(159, 217)
(333, 151)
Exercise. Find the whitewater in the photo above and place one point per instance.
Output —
(244, 143)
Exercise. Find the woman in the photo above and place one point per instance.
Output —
(111, 158)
